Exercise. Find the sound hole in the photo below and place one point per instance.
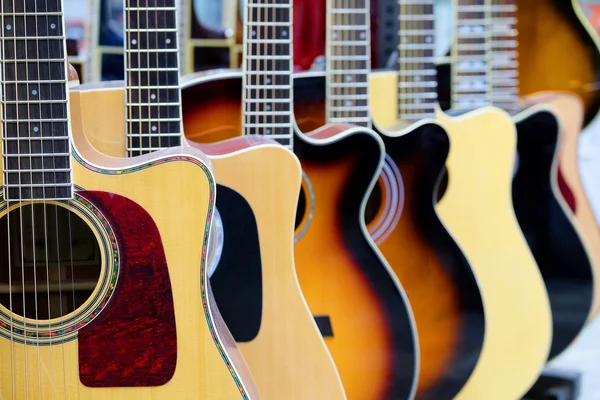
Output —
(49, 261)
(301, 210)
(374, 203)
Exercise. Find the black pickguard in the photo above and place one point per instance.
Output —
(555, 244)
(427, 146)
(237, 281)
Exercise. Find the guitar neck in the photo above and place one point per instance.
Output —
(417, 76)
(153, 98)
(35, 112)
(503, 37)
(484, 55)
(268, 64)
(348, 61)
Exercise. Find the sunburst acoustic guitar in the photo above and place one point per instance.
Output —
(254, 280)
(86, 237)
(401, 216)
(476, 207)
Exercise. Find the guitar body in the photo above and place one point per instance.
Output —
(546, 28)
(546, 222)
(478, 208)
(255, 283)
(170, 345)
(569, 110)
(362, 315)
(403, 223)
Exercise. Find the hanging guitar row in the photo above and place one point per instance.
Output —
(260, 233)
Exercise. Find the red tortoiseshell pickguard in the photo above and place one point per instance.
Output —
(133, 341)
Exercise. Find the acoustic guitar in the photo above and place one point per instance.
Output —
(565, 23)
(567, 27)
(475, 204)
(254, 281)
(357, 302)
(401, 216)
(85, 240)
(544, 217)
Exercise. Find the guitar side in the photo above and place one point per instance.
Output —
(569, 110)
(478, 207)
(548, 225)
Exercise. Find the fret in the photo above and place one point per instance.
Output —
(153, 79)
(281, 14)
(364, 121)
(143, 144)
(267, 118)
(151, 60)
(157, 128)
(26, 146)
(157, 94)
(151, 111)
(264, 81)
(357, 85)
(349, 101)
(46, 191)
(153, 98)
(152, 39)
(268, 64)
(416, 105)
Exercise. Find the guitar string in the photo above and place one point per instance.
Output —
(72, 194)
(31, 167)
(20, 202)
(136, 49)
(6, 159)
(157, 132)
(56, 215)
(45, 219)
(128, 91)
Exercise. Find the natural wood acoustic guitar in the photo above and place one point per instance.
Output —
(254, 279)
(566, 24)
(104, 286)
(545, 29)
(360, 308)
(553, 235)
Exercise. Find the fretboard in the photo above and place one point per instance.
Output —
(348, 62)
(35, 113)
(153, 102)
(484, 69)
(504, 75)
(470, 88)
(268, 64)
(417, 76)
